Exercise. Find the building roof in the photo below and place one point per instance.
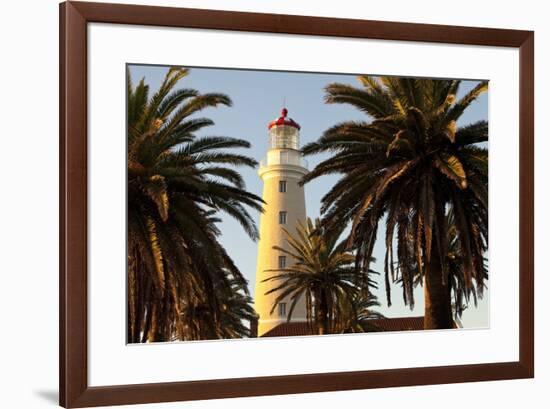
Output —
(283, 120)
(290, 329)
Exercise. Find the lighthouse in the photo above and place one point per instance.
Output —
(280, 171)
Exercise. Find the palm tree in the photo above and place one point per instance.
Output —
(179, 274)
(407, 165)
(323, 273)
(358, 314)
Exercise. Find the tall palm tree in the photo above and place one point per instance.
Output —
(323, 273)
(178, 272)
(407, 163)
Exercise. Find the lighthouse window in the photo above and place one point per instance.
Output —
(282, 217)
(282, 261)
(282, 186)
(282, 309)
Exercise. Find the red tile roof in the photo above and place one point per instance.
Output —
(400, 324)
(290, 329)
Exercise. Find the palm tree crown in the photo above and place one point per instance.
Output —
(408, 164)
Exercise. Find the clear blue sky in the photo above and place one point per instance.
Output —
(257, 99)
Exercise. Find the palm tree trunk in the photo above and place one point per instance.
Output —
(437, 296)
(322, 315)
(153, 324)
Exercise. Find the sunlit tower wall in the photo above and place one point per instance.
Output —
(280, 171)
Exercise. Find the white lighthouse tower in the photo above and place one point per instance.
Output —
(281, 172)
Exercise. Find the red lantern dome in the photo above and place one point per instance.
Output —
(283, 120)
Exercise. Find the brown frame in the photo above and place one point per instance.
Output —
(73, 385)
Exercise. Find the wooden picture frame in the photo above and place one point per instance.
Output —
(73, 335)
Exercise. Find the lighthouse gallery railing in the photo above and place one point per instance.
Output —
(284, 158)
